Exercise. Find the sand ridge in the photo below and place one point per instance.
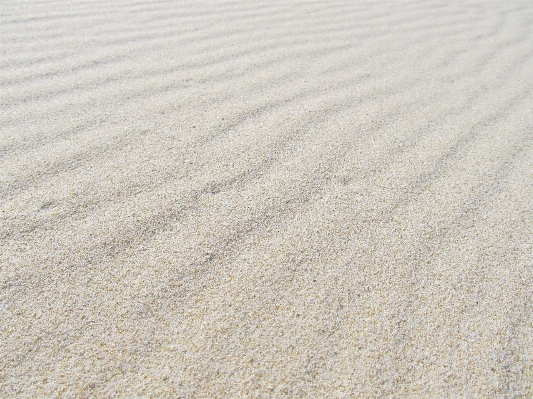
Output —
(266, 199)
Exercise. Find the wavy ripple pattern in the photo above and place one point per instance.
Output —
(266, 199)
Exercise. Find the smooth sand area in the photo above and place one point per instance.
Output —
(276, 199)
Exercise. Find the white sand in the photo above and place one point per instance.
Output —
(266, 199)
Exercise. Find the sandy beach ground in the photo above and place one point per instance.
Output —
(316, 199)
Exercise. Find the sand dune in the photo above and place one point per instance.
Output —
(266, 199)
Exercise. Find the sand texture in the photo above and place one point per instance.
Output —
(276, 199)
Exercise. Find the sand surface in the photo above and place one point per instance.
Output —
(267, 199)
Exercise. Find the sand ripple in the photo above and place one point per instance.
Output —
(266, 199)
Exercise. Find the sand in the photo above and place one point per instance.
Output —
(266, 199)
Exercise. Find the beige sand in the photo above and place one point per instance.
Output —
(266, 199)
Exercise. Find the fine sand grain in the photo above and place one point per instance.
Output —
(267, 199)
